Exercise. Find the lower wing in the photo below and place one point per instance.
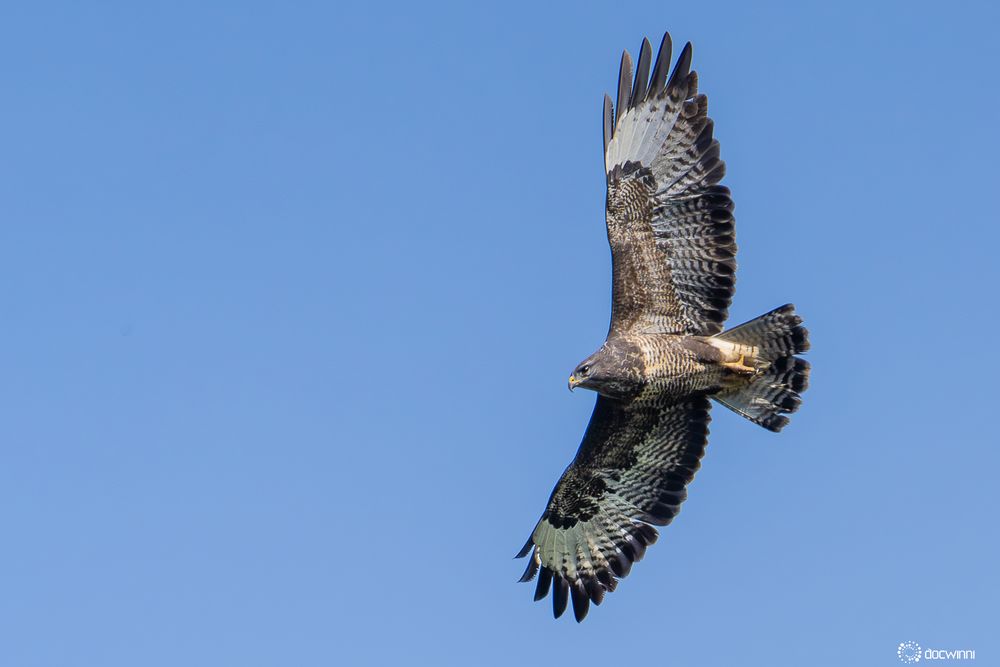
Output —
(631, 471)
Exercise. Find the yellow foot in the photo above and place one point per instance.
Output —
(740, 366)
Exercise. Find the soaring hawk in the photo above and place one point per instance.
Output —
(670, 226)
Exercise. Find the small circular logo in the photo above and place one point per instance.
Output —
(909, 652)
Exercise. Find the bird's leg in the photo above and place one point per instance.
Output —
(740, 366)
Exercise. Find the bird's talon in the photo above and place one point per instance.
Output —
(740, 366)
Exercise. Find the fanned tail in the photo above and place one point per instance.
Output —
(776, 390)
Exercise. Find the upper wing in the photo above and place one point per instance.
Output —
(631, 471)
(670, 225)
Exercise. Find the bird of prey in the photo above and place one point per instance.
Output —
(670, 227)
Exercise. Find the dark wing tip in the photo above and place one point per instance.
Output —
(528, 546)
(530, 571)
(581, 602)
(682, 68)
(624, 85)
(641, 74)
(544, 583)
(662, 66)
(560, 596)
(595, 589)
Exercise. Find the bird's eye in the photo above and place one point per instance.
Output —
(584, 369)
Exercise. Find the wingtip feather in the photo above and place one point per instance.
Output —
(662, 66)
(529, 572)
(560, 596)
(682, 68)
(528, 546)
(581, 602)
(609, 121)
(624, 85)
(544, 583)
(641, 74)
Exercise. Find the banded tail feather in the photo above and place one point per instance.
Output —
(776, 390)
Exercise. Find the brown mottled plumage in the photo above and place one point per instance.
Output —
(671, 231)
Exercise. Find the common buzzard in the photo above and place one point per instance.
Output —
(670, 226)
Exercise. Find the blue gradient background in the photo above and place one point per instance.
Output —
(290, 293)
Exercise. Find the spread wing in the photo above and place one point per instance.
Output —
(632, 470)
(670, 224)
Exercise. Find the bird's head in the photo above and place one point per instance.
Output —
(592, 373)
(581, 376)
(608, 372)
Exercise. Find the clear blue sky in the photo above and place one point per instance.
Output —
(290, 294)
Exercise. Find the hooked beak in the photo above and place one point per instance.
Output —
(573, 382)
